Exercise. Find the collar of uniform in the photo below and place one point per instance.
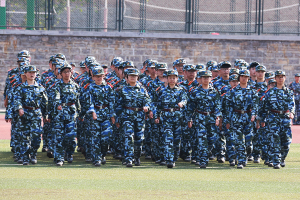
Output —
(35, 84)
(175, 87)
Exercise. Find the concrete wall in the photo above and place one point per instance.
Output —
(275, 52)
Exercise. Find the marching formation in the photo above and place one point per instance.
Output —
(235, 113)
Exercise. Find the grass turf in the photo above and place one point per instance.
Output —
(149, 181)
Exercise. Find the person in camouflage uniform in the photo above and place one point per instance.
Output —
(132, 103)
(252, 70)
(115, 63)
(152, 130)
(242, 107)
(68, 107)
(74, 73)
(152, 73)
(204, 109)
(31, 103)
(187, 133)
(178, 66)
(171, 102)
(100, 101)
(278, 110)
(295, 86)
(259, 134)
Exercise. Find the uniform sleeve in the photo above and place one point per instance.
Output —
(291, 102)
(265, 107)
(218, 105)
(111, 100)
(254, 110)
(18, 99)
(228, 107)
(191, 106)
(184, 97)
(44, 105)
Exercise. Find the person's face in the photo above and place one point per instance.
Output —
(272, 85)
(199, 80)
(280, 79)
(73, 68)
(98, 79)
(224, 72)
(260, 74)
(172, 79)
(56, 71)
(105, 70)
(152, 71)
(132, 79)
(252, 72)
(191, 74)
(82, 69)
(164, 79)
(233, 83)
(215, 73)
(160, 72)
(23, 77)
(120, 73)
(297, 79)
(66, 74)
(244, 79)
(179, 68)
(30, 75)
(50, 65)
(205, 80)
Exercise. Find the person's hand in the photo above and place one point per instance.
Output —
(8, 120)
(257, 124)
(21, 112)
(113, 120)
(118, 125)
(59, 107)
(252, 118)
(156, 121)
(227, 126)
(151, 115)
(190, 124)
(263, 124)
(220, 123)
(291, 116)
(6, 102)
(94, 115)
(145, 109)
(180, 105)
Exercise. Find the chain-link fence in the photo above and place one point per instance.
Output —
(180, 16)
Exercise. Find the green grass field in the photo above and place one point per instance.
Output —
(149, 181)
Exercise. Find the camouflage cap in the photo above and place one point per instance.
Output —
(52, 58)
(179, 61)
(81, 64)
(165, 73)
(225, 64)
(93, 65)
(57, 61)
(117, 61)
(89, 59)
(23, 69)
(206, 73)
(234, 77)
(98, 71)
(132, 71)
(128, 64)
(24, 53)
(260, 68)
(211, 63)
(161, 66)
(104, 66)
(30, 68)
(22, 59)
(146, 62)
(60, 56)
(269, 74)
(237, 61)
(279, 72)
(234, 71)
(189, 67)
(172, 72)
(199, 74)
(65, 65)
(73, 64)
(271, 81)
(244, 72)
(152, 64)
(214, 68)
(298, 74)
(242, 65)
(200, 66)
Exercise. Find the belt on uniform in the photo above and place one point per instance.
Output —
(204, 113)
(280, 111)
(242, 111)
(134, 109)
(30, 108)
(101, 107)
(171, 109)
(67, 104)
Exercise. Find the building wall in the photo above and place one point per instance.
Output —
(275, 52)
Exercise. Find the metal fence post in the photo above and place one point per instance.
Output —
(188, 15)
(30, 14)
(2, 15)
(259, 17)
(120, 15)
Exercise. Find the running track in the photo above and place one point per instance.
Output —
(5, 131)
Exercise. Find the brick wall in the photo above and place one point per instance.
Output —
(275, 52)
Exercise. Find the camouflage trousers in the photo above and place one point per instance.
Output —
(266, 143)
(185, 145)
(46, 133)
(171, 135)
(281, 137)
(220, 145)
(148, 133)
(64, 139)
(132, 132)
(80, 133)
(100, 131)
(205, 134)
(87, 136)
(16, 136)
(257, 141)
(243, 129)
(230, 143)
(296, 119)
(31, 138)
